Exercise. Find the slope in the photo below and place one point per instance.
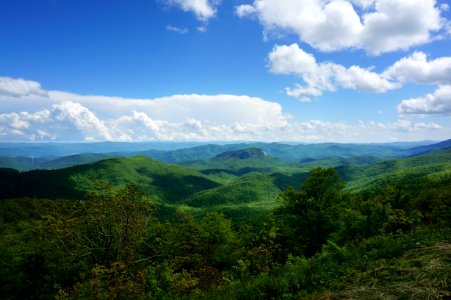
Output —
(431, 147)
(414, 170)
(168, 183)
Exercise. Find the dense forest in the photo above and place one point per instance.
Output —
(240, 224)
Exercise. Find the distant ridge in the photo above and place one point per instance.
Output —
(431, 147)
(243, 154)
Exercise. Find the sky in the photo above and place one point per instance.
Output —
(232, 70)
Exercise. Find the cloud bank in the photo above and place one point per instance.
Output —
(62, 116)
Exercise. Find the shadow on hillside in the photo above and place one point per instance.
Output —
(37, 184)
(177, 188)
(282, 181)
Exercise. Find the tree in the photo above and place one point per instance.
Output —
(108, 226)
(308, 213)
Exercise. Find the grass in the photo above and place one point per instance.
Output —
(421, 273)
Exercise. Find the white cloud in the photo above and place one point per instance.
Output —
(65, 121)
(179, 108)
(324, 76)
(302, 93)
(437, 103)
(328, 76)
(400, 125)
(73, 122)
(177, 29)
(416, 68)
(357, 78)
(11, 87)
(75, 117)
(203, 9)
(291, 60)
(382, 25)
(245, 10)
(72, 117)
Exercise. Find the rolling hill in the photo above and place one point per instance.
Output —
(223, 181)
(26, 163)
(30, 156)
(432, 147)
(286, 152)
(413, 170)
(168, 183)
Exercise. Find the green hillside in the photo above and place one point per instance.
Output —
(74, 160)
(288, 152)
(240, 167)
(336, 161)
(426, 148)
(190, 154)
(411, 170)
(318, 151)
(22, 163)
(229, 228)
(166, 182)
(258, 188)
(25, 163)
(220, 180)
(54, 156)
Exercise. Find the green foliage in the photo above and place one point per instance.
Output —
(229, 240)
(310, 212)
(415, 171)
(255, 189)
(111, 224)
(166, 182)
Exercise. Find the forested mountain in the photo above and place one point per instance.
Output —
(166, 182)
(236, 224)
(22, 156)
(431, 147)
(226, 178)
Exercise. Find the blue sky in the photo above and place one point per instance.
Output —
(271, 70)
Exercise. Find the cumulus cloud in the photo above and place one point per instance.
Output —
(11, 87)
(73, 122)
(179, 108)
(325, 76)
(245, 10)
(417, 69)
(203, 9)
(379, 26)
(177, 117)
(66, 121)
(437, 103)
(73, 117)
(328, 76)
